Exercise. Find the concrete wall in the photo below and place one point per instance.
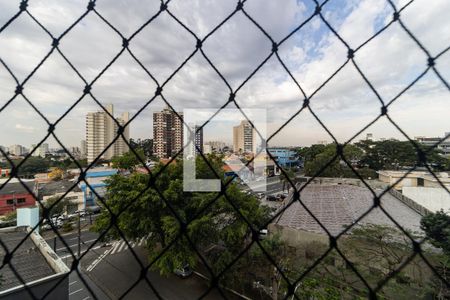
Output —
(432, 198)
(409, 202)
(297, 237)
(376, 184)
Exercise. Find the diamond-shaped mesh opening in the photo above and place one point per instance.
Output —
(326, 238)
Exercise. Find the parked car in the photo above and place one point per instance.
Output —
(281, 197)
(263, 234)
(57, 223)
(184, 271)
(271, 198)
(81, 212)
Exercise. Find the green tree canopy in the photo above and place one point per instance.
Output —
(58, 208)
(209, 223)
(337, 167)
(369, 156)
(146, 145)
(128, 161)
(437, 229)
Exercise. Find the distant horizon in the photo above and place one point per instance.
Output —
(230, 143)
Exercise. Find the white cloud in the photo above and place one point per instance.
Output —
(346, 103)
(24, 128)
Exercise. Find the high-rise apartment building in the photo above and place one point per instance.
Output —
(83, 149)
(198, 138)
(167, 133)
(101, 129)
(16, 150)
(41, 151)
(243, 137)
(197, 146)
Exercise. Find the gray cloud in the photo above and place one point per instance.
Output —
(390, 61)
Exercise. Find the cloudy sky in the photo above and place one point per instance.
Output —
(345, 104)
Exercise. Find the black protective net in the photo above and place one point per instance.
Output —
(297, 282)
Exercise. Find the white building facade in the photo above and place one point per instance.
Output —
(101, 129)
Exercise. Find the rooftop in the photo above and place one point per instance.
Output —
(28, 260)
(16, 187)
(443, 176)
(55, 187)
(337, 206)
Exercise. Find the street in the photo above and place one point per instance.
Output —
(111, 270)
(118, 272)
(77, 289)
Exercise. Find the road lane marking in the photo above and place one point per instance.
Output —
(116, 245)
(74, 292)
(73, 282)
(84, 251)
(121, 246)
(98, 260)
(70, 246)
(86, 298)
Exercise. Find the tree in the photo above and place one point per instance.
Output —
(144, 211)
(59, 208)
(337, 167)
(310, 153)
(56, 174)
(33, 165)
(393, 155)
(146, 145)
(128, 161)
(285, 177)
(437, 229)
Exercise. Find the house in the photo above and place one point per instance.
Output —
(413, 179)
(14, 195)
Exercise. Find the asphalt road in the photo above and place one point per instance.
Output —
(111, 271)
(117, 273)
(86, 239)
(79, 291)
(77, 288)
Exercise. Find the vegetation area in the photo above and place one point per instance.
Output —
(58, 208)
(437, 229)
(367, 157)
(216, 228)
(144, 145)
(128, 161)
(192, 223)
(36, 164)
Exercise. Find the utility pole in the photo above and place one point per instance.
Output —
(79, 235)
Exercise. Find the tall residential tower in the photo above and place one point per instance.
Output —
(167, 133)
(243, 137)
(101, 130)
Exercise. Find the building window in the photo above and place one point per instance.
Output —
(420, 182)
(21, 200)
(10, 201)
